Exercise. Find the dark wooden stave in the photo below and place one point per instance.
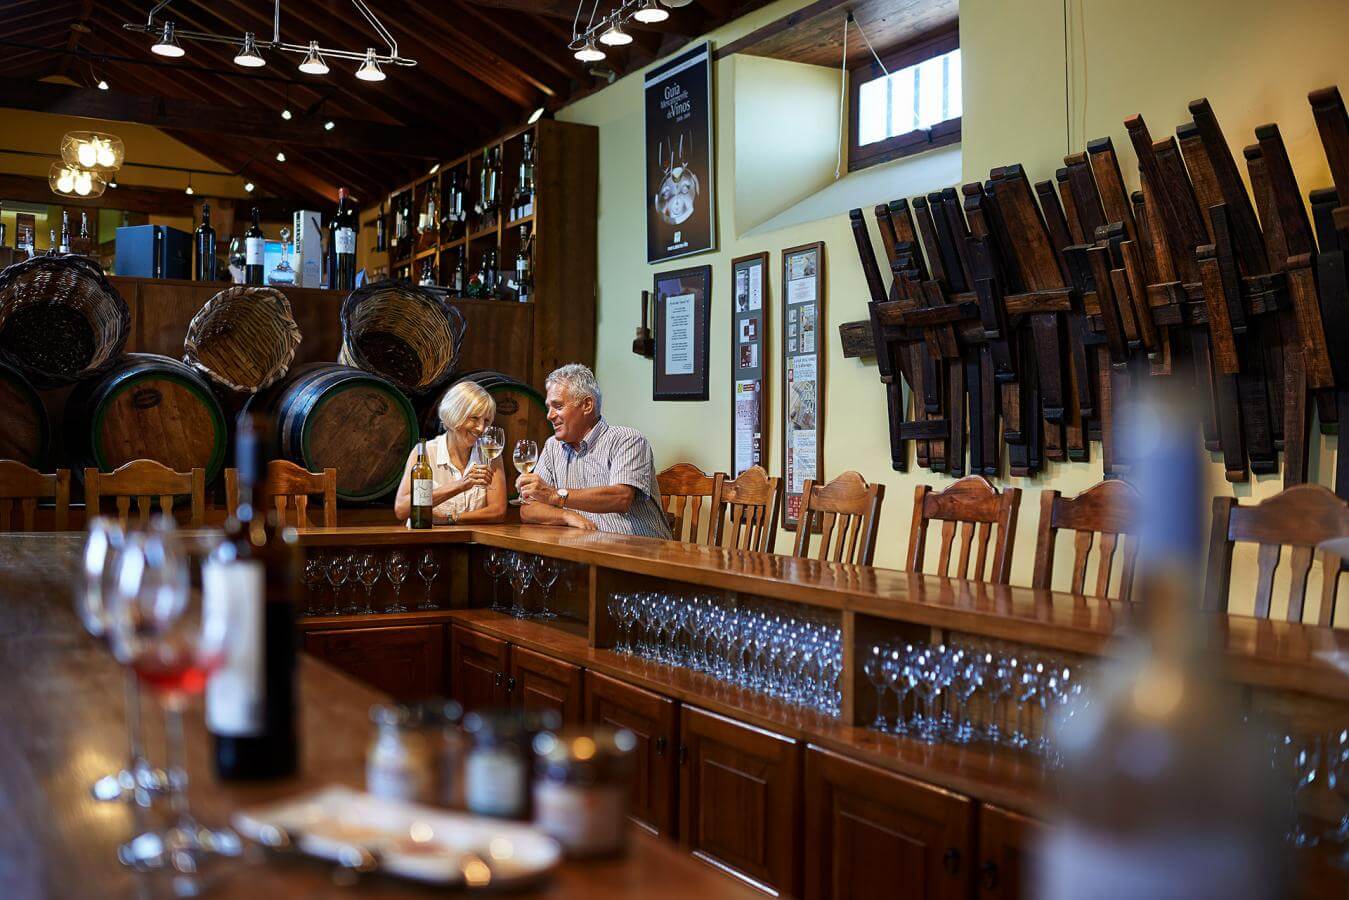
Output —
(25, 430)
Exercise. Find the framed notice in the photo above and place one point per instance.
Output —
(680, 213)
(683, 318)
(749, 362)
(803, 360)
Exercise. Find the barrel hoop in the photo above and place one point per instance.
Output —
(322, 398)
(123, 380)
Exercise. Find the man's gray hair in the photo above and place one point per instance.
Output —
(577, 380)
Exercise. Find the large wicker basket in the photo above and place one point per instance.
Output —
(408, 334)
(243, 338)
(61, 320)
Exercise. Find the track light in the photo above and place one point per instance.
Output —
(536, 115)
(651, 13)
(167, 45)
(248, 55)
(113, 183)
(189, 191)
(329, 125)
(370, 70)
(285, 114)
(616, 36)
(248, 186)
(589, 53)
(102, 85)
(280, 156)
(313, 61)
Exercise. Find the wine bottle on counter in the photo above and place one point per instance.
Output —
(381, 235)
(343, 243)
(255, 251)
(65, 232)
(205, 245)
(250, 581)
(524, 274)
(523, 204)
(422, 482)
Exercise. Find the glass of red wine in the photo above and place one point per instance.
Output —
(159, 627)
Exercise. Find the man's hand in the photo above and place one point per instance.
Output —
(578, 521)
(534, 489)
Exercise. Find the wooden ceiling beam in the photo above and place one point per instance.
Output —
(524, 32)
(76, 34)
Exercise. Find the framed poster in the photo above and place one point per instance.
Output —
(749, 362)
(683, 319)
(803, 359)
(681, 215)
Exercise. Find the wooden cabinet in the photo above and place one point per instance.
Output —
(739, 799)
(539, 683)
(1005, 838)
(479, 666)
(874, 834)
(407, 661)
(655, 721)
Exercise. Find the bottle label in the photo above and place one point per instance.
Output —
(254, 249)
(586, 821)
(495, 783)
(233, 598)
(346, 240)
(421, 492)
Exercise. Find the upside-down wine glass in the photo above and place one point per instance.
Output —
(520, 572)
(495, 567)
(428, 568)
(337, 570)
(546, 572)
(313, 582)
(367, 573)
(396, 569)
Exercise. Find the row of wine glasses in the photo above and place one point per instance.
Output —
(520, 570)
(1314, 771)
(789, 652)
(364, 569)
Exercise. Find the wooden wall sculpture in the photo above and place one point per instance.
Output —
(1021, 315)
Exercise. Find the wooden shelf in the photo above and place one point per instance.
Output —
(485, 232)
(423, 254)
(523, 220)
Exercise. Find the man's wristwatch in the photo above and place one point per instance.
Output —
(562, 494)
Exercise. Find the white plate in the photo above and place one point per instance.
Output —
(417, 842)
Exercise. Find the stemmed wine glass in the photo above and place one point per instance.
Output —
(428, 568)
(313, 580)
(396, 569)
(173, 638)
(525, 457)
(367, 572)
(546, 572)
(338, 570)
(520, 572)
(495, 566)
(491, 442)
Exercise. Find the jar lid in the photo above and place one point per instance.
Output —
(390, 715)
(586, 755)
(498, 726)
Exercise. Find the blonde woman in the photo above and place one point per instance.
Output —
(465, 488)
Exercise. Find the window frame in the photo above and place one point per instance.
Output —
(911, 53)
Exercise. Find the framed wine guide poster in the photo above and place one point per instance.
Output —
(681, 210)
(683, 319)
(803, 360)
(749, 362)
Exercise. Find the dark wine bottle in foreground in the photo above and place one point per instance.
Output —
(255, 251)
(205, 245)
(250, 582)
(422, 485)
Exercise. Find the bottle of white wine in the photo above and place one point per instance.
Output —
(422, 481)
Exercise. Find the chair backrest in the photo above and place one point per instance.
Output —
(20, 490)
(1108, 509)
(746, 516)
(972, 501)
(847, 509)
(146, 481)
(291, 486)
(683, 487)
(1301, 517)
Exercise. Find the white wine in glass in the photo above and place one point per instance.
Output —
(525, 458)
(492, 442)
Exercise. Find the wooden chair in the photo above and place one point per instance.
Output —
(1108, 509)
(682, 489)
(145, 480)
(970, 501)
(20, 490)
(291, 486)
(847, 509)
(746, 515)
(1300, 517)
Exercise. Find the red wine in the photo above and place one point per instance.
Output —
(205, 245)
(342, 276)
(171, 676)
(255, 250)
(250, 701)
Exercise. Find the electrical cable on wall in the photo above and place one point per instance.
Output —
(843, 85)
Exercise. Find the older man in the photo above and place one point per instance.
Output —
(591, 475)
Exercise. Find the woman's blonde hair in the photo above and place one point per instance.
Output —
(464, 399)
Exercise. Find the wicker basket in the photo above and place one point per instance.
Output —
(408, 334)
(243, 338)
(61, 320)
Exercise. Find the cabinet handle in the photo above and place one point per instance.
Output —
(990, 876)
(510, 684)
(660, 746)
(497, 678)
(951, 861)
(683, 754)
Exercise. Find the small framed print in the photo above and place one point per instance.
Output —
(803, 360)
(683, 318)
(749, 362)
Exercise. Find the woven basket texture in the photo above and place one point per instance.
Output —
(61, 320)
(244, 338)
(408, 334)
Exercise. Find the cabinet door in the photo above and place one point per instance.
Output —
(654, 719)
(406, 661)
(1005, 839)
(739, 799)
(873, 834)
(478, 668)
(541, 682)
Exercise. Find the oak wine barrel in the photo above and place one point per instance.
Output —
(330, 415)
(25, 432)
(521, 411)
(146, 406)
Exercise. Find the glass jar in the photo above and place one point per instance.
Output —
(582, 785)
(496, 768)
(398, 763)
(449, 748)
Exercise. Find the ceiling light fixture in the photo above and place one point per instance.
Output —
(313, 62)
(610, 30)
(248, 186)
(93, 150)
(248, 55)
(329, 125)
(102, 85)
(112, 183)
(589, 53)
(280, 156)
(651, 13)
(73, 181)
(536, 115)
(370, 70)
(285, 114)
(616, 36)
(168, 45)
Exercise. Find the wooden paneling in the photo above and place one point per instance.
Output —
(872, 834)
(814, 33)
(655, 721)
(739, 799)
(478, 669)
(406, 661)
(1004, 841)
(539, 683)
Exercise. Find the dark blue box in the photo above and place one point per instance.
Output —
(153, 251)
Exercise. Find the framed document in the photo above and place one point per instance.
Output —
(749, 362)
(683, 317)
(803, 360)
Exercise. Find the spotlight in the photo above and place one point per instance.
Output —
(589, 53)
(189, 191)
(102, 85)
(650, 13)
(616, 36)
(285, 114)
(313, 61)
(329, 125)
(536, 115)
(168, 45)
(248, 186)
(248, 55)
(113, 183)
(280, 157)
(370, 70)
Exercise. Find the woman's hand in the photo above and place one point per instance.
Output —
(476, 476)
